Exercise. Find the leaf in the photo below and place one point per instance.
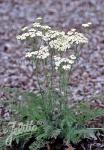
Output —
(48, 147)
(70, 147)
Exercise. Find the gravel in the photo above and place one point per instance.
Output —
(15, 71)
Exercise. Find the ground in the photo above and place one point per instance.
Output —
(87, 78)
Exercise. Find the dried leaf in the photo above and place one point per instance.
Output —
(48, 147)
(70, 147)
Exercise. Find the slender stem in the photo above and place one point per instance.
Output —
(34, 47)
(61, 86)
(46, 84)
(41, 92)
(37, 75)
(64, 75)
(51, 80)
(52, 70)
(60, 78)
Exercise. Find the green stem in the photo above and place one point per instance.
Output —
(64, 84)
(51, 81)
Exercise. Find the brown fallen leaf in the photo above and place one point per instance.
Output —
(70, 147)
(48, 147)
(100, 104)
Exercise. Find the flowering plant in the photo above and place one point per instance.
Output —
(53, 53)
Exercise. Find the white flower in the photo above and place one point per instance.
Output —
(39, 33)
(85, 25)
(32, 30)
(45, 27)
(34, 53)
(79, 38)
(73, 29)
(73, 57)
(18, 37)
(57, 58)
(45, 38)
(61, 43)
(25, 34)
(56, 68)
(90, 23)
(58, 61)
(39, 18)
(36, 24)
(32, 34)
(69, 32)
(28, 54)
(51, 34)
(66, 67)
(22, 36)
(24, 28)
(70, 61)
(43, 52)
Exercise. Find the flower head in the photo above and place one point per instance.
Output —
(42, 53)
(24, 28)
(61, 43)
(62, 62)
(86, 25)
(73, 57)
(66, 67)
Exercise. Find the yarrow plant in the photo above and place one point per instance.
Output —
(54, 53)
(52, 48)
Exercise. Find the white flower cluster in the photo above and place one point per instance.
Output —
(52, 39)
(29, 54)
(42, 27)
(30, 33)
(51, 34)
(66, 67)
(56, 39)
(23, 36)
(86, 25)
(36, 30)
(77, 38)
(73, 57)
(65, 62)
(65, 41)
(24, 28)
(42, 53)
(71, 31)
(61, 43)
